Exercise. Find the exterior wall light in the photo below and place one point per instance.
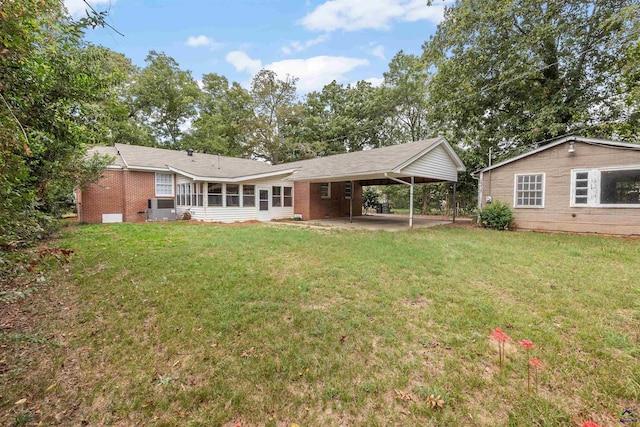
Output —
(572, 148)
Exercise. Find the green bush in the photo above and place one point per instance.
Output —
(497, 215)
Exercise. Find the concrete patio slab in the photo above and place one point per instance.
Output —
(392, 222)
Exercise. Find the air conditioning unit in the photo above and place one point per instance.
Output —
(161, 210)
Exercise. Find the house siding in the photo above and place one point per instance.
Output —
(310, 205)
(435, 164)
(557, 215)
(237, 214)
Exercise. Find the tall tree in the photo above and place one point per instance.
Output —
(275, 111)
(164, 98)
(116, 111)
(49, 83)
(224, 120)
(407, 81)
(512, 72)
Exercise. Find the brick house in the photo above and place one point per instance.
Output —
(227, 189)
(573, 184)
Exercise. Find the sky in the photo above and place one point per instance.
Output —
(314, 41)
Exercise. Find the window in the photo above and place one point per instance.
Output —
(199, 193)
(529, 191)
(248, 195)
(347, 190)
(164, 184)
(288, 197)
(619, 187)
(214, 196)
(233, 195)
(325, 190)
(276, 196)
(581, 188)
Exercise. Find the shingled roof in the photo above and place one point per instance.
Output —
(367, 164)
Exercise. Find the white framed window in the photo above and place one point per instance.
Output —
(248, 195)
(325, 190)
(214, 194)
(233, 195)
(276, 196)
(164, 184)
(347, 190)
(529, 191)
(617, 187)
(287, 198)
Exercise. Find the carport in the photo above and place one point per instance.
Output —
(427, 161)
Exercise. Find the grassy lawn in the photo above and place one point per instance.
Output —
(195, 324)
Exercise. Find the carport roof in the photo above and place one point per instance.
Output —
(370, 164)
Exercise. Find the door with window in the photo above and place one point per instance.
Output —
(263, 204)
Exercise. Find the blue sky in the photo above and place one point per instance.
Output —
(315, 41)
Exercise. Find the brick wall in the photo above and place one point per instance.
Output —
(105, 197)
(310, 205)
(118, 192)
(139, 188)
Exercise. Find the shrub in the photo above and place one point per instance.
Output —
(497, 215)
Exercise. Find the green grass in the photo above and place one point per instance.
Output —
(187, 324)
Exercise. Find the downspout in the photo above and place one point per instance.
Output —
(410, 195)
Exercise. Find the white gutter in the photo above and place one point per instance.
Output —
(410, 195)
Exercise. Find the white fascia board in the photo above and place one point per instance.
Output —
(234, 179)
(339, 178)
(114, 167)
(148, 169)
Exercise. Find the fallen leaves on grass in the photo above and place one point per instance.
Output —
(435, 402)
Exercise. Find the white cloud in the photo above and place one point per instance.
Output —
(196, 41)
(242, 62)
(313, 73)
(375, 81)
(378, 52)
(298, 46)
(77, 8)
(353, 15)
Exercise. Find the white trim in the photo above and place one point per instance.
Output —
(234, 179)
(595, 188)
(173, 184)
(515, 190)
(447, 147)
(149, 169)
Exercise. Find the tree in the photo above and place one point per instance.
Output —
(515, 72)
(164, 98)
(407, 81)
(274, 114)
(224, 121)
(49, 85)
(115, 113)
(344, 118)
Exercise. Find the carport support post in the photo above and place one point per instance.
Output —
(351, 204)
(454, 203)
(411, 203)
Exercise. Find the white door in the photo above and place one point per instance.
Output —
(264, 195)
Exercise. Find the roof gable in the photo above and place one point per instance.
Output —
(572, 138)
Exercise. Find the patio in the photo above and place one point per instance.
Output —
(386, 222)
